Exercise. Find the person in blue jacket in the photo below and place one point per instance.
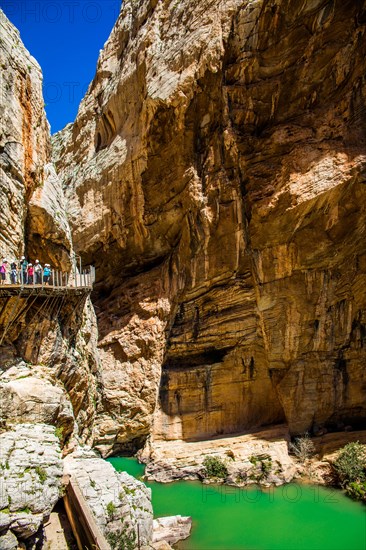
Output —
(46, 274)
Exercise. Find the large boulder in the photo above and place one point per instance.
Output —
(31, 467)
(121, 504)
(33, 395)
(172, 529)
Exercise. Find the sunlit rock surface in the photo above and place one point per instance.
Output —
(31, 471)
(171, 529)
(242, 455)
(48, 223)
(120, 504)
(32, 395)
(217, 163)
(48, 358)
(48, 364)
(24, 136)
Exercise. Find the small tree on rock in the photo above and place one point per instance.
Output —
(303, 447)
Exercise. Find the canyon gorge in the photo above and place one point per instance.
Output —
(215, 178)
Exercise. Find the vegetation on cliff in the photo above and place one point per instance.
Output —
(350, 470)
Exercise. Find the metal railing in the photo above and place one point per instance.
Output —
(56, 279)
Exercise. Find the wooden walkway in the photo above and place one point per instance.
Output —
(7, 291)
(86, 530)
(61, 284)
(19, 299)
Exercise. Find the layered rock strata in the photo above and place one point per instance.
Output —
(215, 175)
(48, 365)
(251, 458)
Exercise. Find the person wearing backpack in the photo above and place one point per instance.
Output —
(38, 273)
(13, 273)
(3, 269)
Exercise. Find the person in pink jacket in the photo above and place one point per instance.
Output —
(30, 273)
(3, 270)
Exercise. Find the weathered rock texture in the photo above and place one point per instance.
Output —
(31, 470)
(48, 363)
(48, 228)
(171, 529)
(250, 458)
(215, 175)
(24, 136)
(33, 396)
(121, 504)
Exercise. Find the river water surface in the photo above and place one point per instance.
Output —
(291, 517)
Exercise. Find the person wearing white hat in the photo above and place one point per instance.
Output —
(38, 273)
(23, 264)
(46, 274)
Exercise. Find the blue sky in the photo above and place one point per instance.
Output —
(65, 37)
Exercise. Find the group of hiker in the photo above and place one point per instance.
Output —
(22, 272)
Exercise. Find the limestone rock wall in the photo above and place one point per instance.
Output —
(217, 163)
(30, 484)
(49, 367)
(120, 503)
(24, 136)
(48, 359)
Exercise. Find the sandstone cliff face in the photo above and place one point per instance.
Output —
(48, 362)
(215, 175)
(49, 367)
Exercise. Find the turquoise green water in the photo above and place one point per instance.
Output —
(291, 517)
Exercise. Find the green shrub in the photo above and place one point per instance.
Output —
(215, 467)
(253, 460)
(59, 433)
(350, 464)
(266, 466)
(264, 462)
(350, 470)
(111, 509)
(122, 540)
(357, 490)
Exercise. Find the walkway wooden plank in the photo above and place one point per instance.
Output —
(7, 291)
(87, 532)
